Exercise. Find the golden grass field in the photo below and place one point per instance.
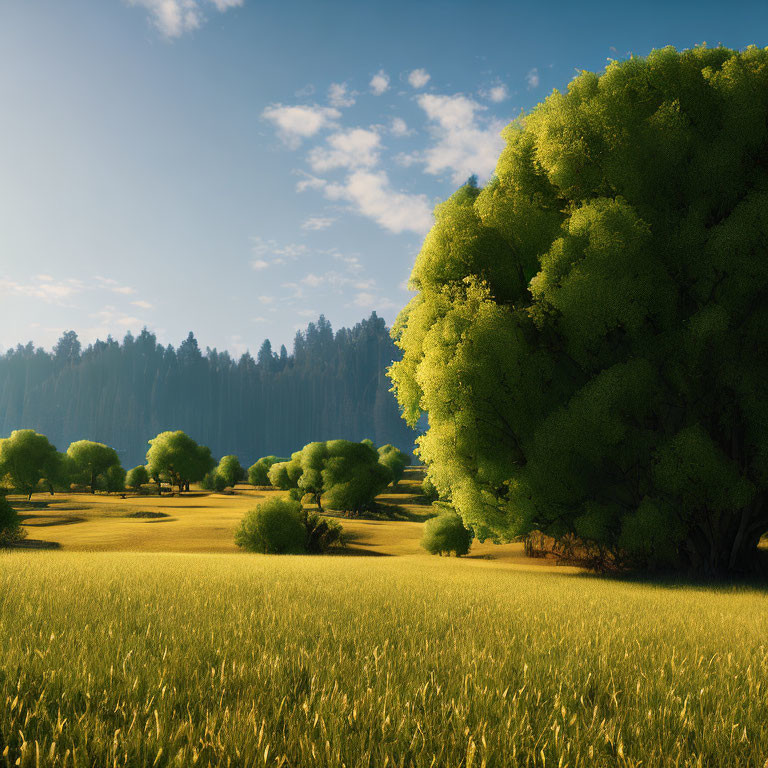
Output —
(205, 522)
(181, 652)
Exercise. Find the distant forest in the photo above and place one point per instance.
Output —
(122, 394)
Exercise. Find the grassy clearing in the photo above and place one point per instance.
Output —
(205, 522)
(140, 659)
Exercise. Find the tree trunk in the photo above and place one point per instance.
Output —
(318, 501)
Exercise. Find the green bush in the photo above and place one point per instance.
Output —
(445, 534)
(321, 533)
(213, 481)
(10, 524)
(137, 477)
(273, 527)
(395, 460)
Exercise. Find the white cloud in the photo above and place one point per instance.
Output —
(379, 83)
(498, 93)
(464, 144)
(532, 78)
(295, 123)
(312, 280)
(309, 182)
(172, 18)
(371, 195)
(45, 290)
(125, 290)
(315, 223)
(398, 127)
(270, 253)
(356, 148)
(266, 299)
(141, 304)
(340, 96)
(307, 313)
(419, 78)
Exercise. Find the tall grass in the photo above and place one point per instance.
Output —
(140, 659)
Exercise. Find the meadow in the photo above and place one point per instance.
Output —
(201, 656)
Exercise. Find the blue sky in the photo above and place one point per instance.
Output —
(237, 167)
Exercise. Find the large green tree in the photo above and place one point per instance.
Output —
(96, 465)
(26, 458)
(588, 336)
(178, 458)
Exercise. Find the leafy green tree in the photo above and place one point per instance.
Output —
(137, 477)
(178, 458)
(285, 474)
(96, 465)
(258, 473)
(230, 470)
(313, 459)
(395, 460)
(588, 332)
(26, 458)
(10, 523)
(352, 476)
(445, 534)
(273, 527)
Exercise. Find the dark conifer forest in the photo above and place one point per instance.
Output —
(122, 394)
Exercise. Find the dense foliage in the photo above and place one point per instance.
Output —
(446, 533)
(10, 523)
(26, 459)
(395, 460)
(178, 459)
(95, 465)
(588, 337)
(137, 477)
(258, 473)
(274, 527)
(120, 393)
(346, 476)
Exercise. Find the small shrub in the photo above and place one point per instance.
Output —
(445, 534)
(213, 481)
(273, 527)
(322, 533)
(10, 524)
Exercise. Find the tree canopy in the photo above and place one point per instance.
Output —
(96, 465)
(588, 332)
(344, 475)
(258, 473)
(395, 460)
(178, 458)
(26, 458)
(230, 470)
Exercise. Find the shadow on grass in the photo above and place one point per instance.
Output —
(756, 581)
(46, 521)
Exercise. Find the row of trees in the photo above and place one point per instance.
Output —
(348, 475)
(117, 393)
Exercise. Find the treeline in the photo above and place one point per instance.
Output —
(119, 393)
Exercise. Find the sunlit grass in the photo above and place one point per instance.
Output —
(143, 659)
